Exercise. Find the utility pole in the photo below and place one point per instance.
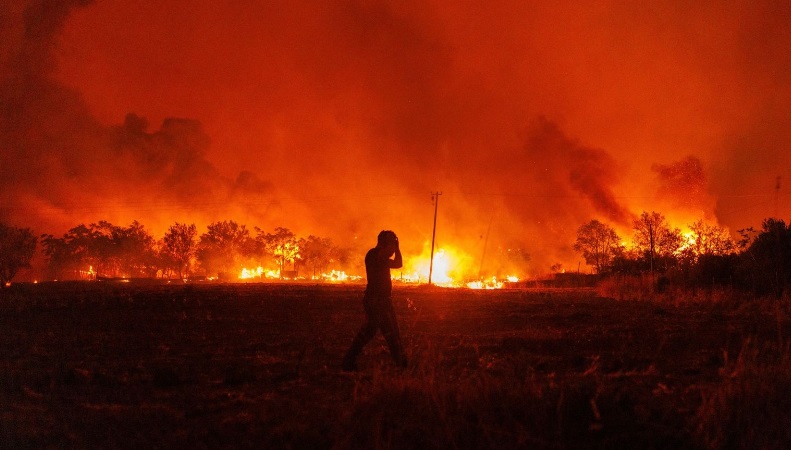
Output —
(435, 198)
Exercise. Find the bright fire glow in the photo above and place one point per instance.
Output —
(336, 276)
(248, 274)
(331, 276)
(417, 269)
(452, 268)
(687, 240)
(492, 283)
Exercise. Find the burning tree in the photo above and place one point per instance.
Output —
(599, 245)
(97, 242)
(317, 252)
(102, 249)
(707, 257)
(710, 239)
(77, 252)
(17, 247)
(655, 239)
(282, 244)
(222, 247)
(179, 247)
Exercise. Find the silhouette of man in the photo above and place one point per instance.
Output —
(379, 312)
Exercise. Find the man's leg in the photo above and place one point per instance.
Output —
(389, 327)
(363, 337)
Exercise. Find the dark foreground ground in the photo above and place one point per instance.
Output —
(105, 365)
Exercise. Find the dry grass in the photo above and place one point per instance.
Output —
(751, 406)
(657, 289)
(257, 366)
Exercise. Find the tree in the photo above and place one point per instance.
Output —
(17, 247)
(133, 247)
(599, 245)
(101, 244)
(77, 251)
(317, 252)
(766, 264)
(221, 248)
(58, 258)
(102, 249)
(282, 244)
(655, 239)
(710, 239)
(179, 245)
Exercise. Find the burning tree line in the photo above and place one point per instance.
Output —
(704, 256)
(106, 250)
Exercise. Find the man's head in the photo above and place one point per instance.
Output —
(387, 239)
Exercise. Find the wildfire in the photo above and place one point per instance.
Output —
(258, 272)
(419, 268)
(336, 276)
(261, 273)
(687, 240)
(248, 274)
(492, 283)
(452, 268)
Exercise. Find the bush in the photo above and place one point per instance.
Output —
(766, 265)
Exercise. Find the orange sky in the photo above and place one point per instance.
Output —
(531, 117)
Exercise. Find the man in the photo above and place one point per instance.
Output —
(379, 313)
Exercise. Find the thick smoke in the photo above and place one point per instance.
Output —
(340, 118)
(62, 167)
(45, 130)
(549, 186)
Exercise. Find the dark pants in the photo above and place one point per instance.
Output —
(380, 315)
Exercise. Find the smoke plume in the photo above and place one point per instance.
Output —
(340, 119)
(63, 167)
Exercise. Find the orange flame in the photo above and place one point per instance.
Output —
(452, 268)
(248, 274)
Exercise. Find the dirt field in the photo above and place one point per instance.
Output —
(114, 365)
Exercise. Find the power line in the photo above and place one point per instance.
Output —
(435, 198)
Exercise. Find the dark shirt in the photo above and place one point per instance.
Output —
(377, 270)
